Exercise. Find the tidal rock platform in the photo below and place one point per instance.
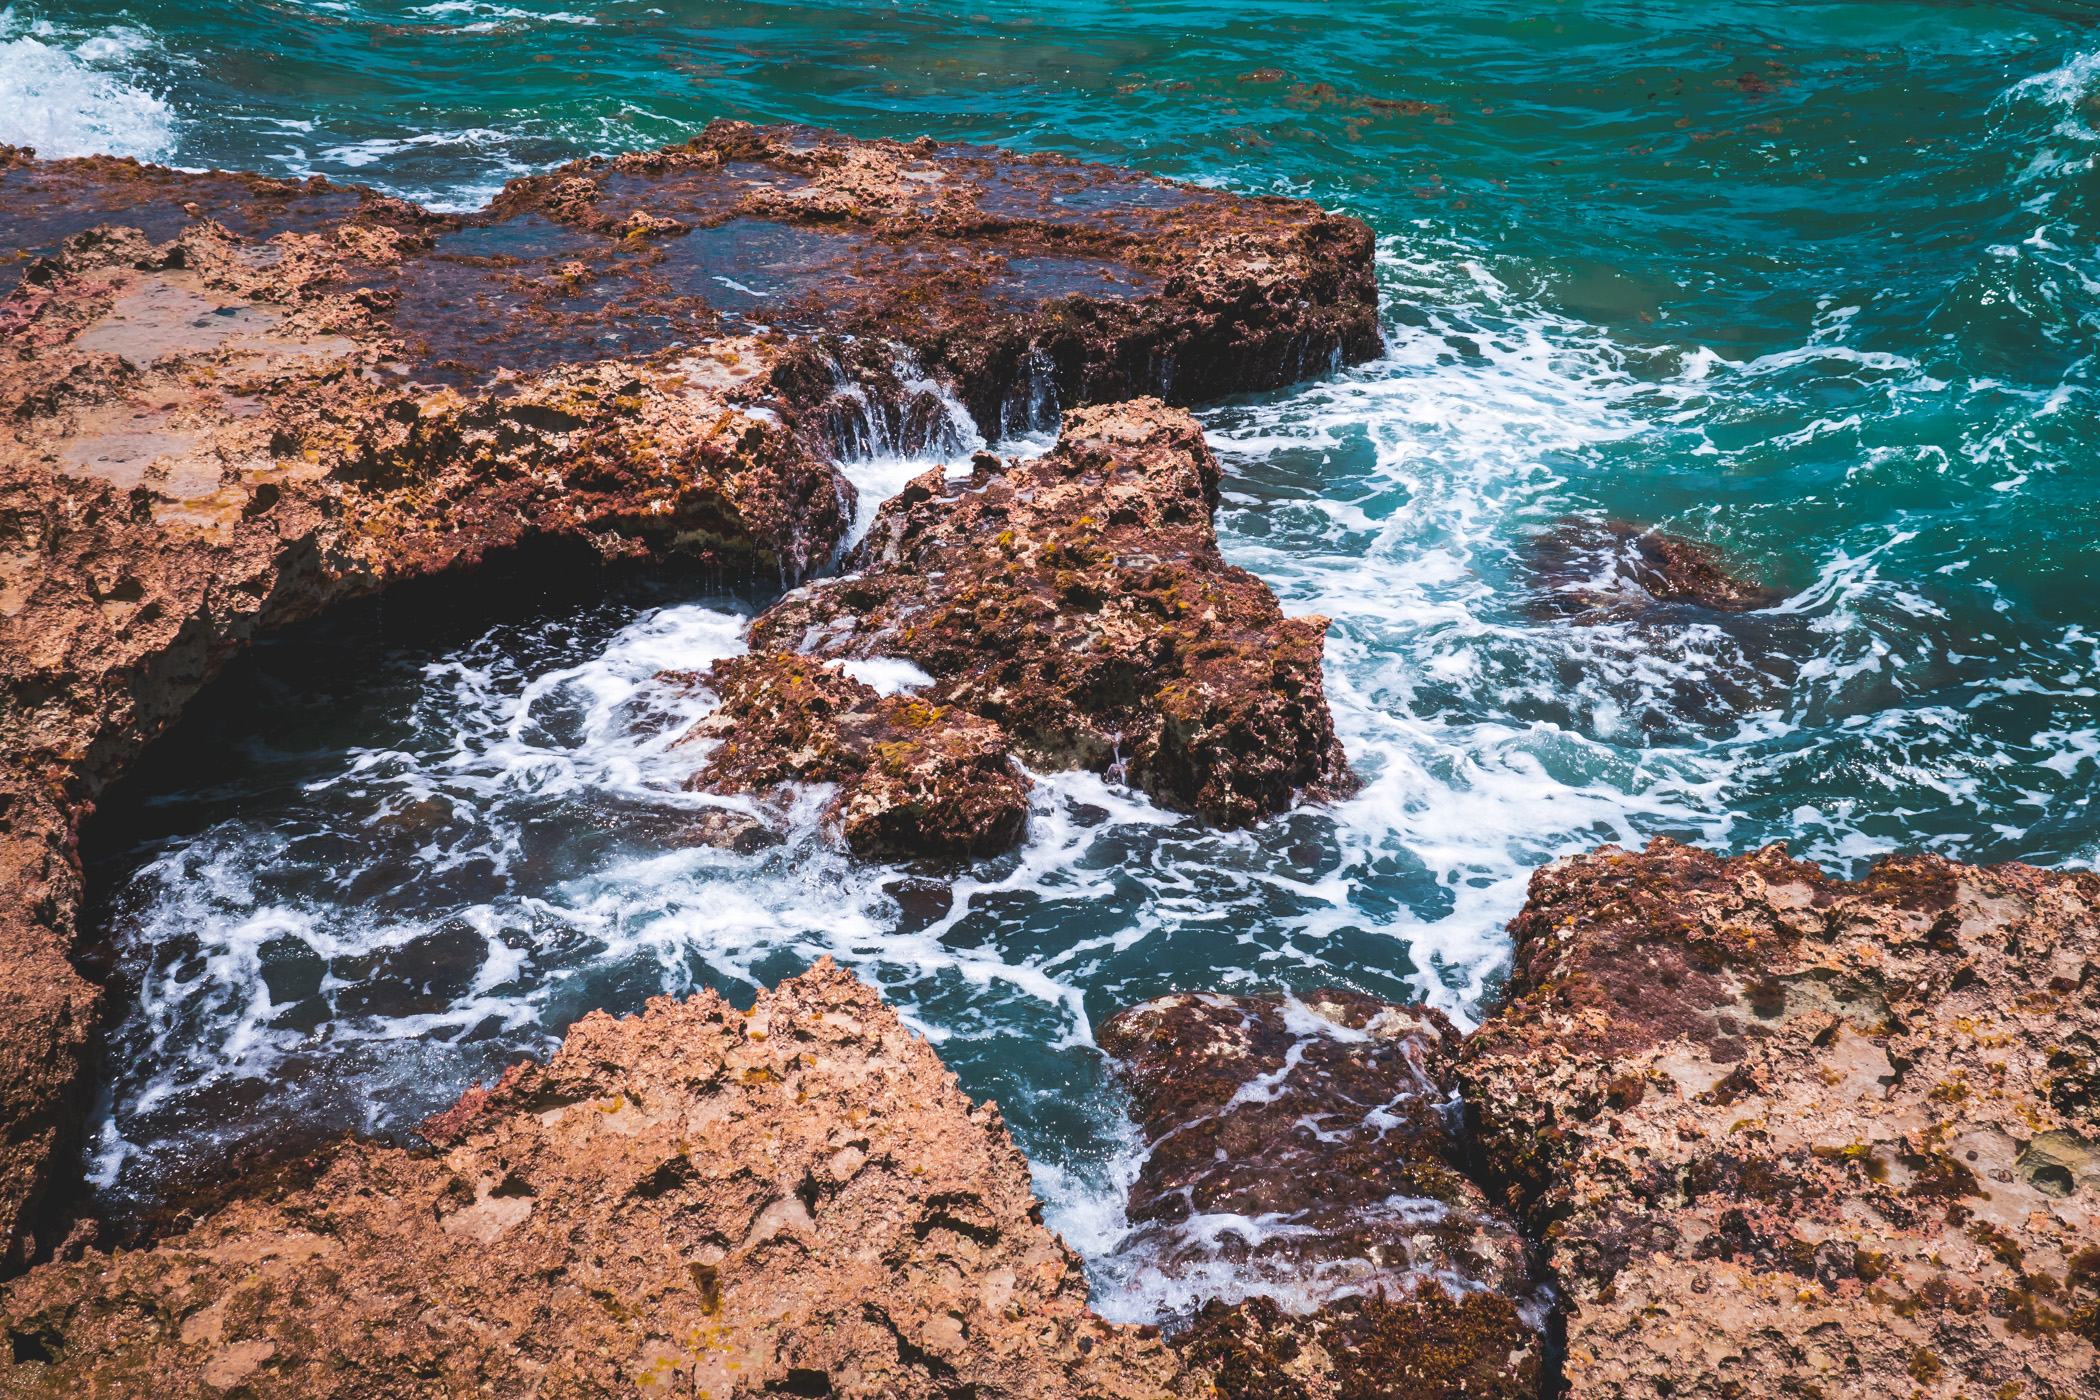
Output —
(1781, 1134)
(693, 1201)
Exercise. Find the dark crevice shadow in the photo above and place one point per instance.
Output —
(316, 686)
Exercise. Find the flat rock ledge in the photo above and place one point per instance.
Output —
(1305, 1188)
(1070, 610)
(228, 402)
(693, 1201)
(1784, 1135)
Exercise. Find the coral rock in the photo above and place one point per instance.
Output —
(1077, 603)
(1305, 1151)
(690, 1201)
(914, 778)
(1789, 1135)
(229, 402)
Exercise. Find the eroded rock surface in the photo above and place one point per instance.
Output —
(1788, 1135)
(1071, 609)
(227, 402)
(689, 1202)
(1305, 1183)
(917, 778)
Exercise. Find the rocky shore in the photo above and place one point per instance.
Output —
(1071, 610)
(231, 402)
(1738, 1129)
(1734, 1128)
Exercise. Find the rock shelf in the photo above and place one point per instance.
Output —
(230, 402)
(1787, 1135)
(693, 1201)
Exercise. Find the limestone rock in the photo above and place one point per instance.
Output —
(1305, 1181)
(916, 778)
(228, 402)
(1790, 1135)
(1075, 608)
(688, 1202)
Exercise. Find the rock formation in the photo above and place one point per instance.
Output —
(1789, 1135)
(693, 1201)
(1305, 1181)
(229, 402)
(1071, 609)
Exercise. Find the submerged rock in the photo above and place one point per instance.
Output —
(230, 402)
(1072, 609)
(692, 1201)
(1304, 1182)
(1594, 570)
(1789, 1135)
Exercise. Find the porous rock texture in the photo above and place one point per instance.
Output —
(1305, 1181)
(1072, 610)
(690, 1202)
(1784, 1135)
(227, 402)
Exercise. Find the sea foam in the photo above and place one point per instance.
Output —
(69, 92)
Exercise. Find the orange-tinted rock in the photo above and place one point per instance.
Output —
(1078, 602)
(1789, 1135)
(692, 1201)
(1305, 1153)
(914, 778)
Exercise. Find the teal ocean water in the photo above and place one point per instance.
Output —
(1814, 283)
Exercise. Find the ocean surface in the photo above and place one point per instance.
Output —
(1814, 283)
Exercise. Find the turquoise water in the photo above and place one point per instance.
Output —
(1813, 283)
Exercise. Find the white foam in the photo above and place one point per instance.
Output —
(69, 92)
(889, 675)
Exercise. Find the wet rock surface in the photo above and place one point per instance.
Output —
(1070, 609)
(917, 778)
(1601, 570)
(693, 1201)
(229, 402)
(1022, 281)
(1305, 1182)
(1789, 1135)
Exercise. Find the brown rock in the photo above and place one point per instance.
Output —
(691, 1201)
(1077, 605)
(914, 778)
(1306, 1150)
(1599, 570)
(1023, 281)
(1789, 1135)
(228, 402)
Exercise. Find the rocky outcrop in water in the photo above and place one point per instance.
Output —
(229, 402)
(1606, 570)
(1789, 1135)
(1306, 1183)
(694, 1201)
(1072, 610)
